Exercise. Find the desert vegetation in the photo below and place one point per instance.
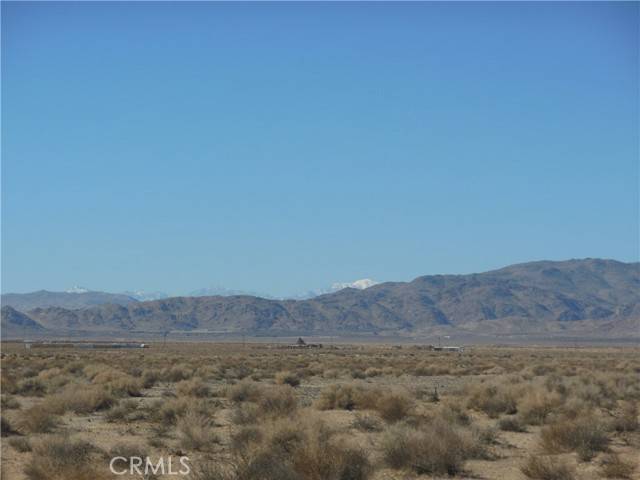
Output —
(348, 412)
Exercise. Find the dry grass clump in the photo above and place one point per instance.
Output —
(5, 427)
(176, 373)
(20, 444)
(196, 432)
(546, 468)
(245, 414)
(277, 401)
(8, 402)
(245, 391)
(587, 436)
(193, 388)
(150, 378)
(79, 399)
(366, 423)
(613, 466)
(168, 412)
(31, 387)
(306, 450)
(492, 400)
(38, 420)
(627, 420)
(511, 424)
(63, 458)
(392, 406)
(287, 378)
(116, 381)
(123, 411)
(436, 448)
(537, 405)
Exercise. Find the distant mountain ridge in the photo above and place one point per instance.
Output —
(71, 299)
(593, 296)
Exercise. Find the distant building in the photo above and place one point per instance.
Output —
(446, 348)
(300, 343)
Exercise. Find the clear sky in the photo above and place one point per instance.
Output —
(283, 147)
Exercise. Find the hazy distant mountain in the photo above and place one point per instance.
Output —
(15, 323)
(143, 296)
(358, 284)
(223, 292)
(591, 296)
(70, 299)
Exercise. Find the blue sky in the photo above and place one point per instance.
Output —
(283, 147)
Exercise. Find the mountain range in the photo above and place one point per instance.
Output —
(577, 297)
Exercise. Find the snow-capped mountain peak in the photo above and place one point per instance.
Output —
(359, 284)
(77, 289)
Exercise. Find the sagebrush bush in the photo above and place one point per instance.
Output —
(196, 432)
(63, 458)
(277, 401)
(20, 444)
(612, 466)
(546, 468)
(37, 419)
(492, 400)
(586, 436)
(436, 448)
(287, 378)
(192, 388)
(393, 406)
(511, 424)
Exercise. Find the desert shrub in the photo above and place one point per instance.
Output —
(492, 400)
(311, 452)
(121, 412)
(373, 372)
(150, 378)
(436, 448)
(177, 373)
(454, 412)
(9, 402)
(511, 424)
(192, 388)
(546, 468)
(79, 399)
(586, 436)
(20, 444)
(536, 406)
(278, 401)
(304, 450)
(613, 466)
(49, 373)
(393, 406)
(287, 378)
(627, 420)
(245, 414)
(125, 385)
(337, 396)
(245, 391)
(31, 387)
(63, 458)
(348, 397)
(196, 432)
(5, 427)
(38, 420)
(367, 423)
(74, 368)
(245, 437)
